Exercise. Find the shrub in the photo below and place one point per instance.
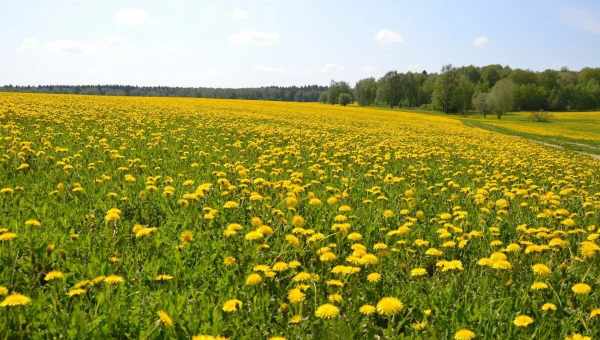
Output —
(540, 116)
(324, 97)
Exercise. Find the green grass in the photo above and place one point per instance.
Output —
(574, 131)
(451, 188)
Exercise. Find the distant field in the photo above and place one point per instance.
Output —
(579, 131)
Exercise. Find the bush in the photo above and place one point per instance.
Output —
(426, 107)
(540, 116)
(345, 99)
(324, 97)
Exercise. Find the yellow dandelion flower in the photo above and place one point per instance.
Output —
(367, 309)
(445, 266)
(253, 279)
(374, 277)
(577, 336)
(547, 307)
(298, 221)
(419, 325)
(163, 277)
(589, 248)
(434, 252)
(208, 337)
(229, 261)
(523, 321)
(464, 334)
(186, 236)
(33, 223)
(8, 236)
(369, 259)
(280, 266)
(335, 298)
(15, 299)
(114, 279)
(76, 292)
(334, 283)
(327, 311)
(539, 286)
(112, 215)
(145, 231)
(97, 280)
(254, 235)
(165, 319)
(54, 275)
(541, 269)
(416, 272)
(295, 319)
(314, 202)
(581, 289)
(232, 305)
(83, 284)
(388, 213)
(231, 205)
(296, 296)
(327, 257)
(389, 306)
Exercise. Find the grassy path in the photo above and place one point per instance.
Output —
(587, 147)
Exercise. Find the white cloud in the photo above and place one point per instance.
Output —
(263, 39)
(481, 41)
(581, 19)
(239, 14)
(332, 68)
(130, 16)
(28, 44)
(386, 37)
(269, 69)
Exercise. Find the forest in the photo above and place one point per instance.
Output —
(309, 93)
(488, 89)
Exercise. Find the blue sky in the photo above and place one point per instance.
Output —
(276, 42)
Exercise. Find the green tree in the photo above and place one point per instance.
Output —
(389, 89)
(443, 92)
(366, 91)
(502, 97)
(336, 88)
(463, 94)
(345, 99)
(324, 97)
(452, 91)
(480, 103)
(530, 97)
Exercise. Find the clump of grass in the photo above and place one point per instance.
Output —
(540, 116)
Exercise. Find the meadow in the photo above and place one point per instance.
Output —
(126, 217)
(578, 131)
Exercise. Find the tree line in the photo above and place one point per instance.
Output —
(489, 89)
(309, 93)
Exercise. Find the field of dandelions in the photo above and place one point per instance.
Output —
(212, 219)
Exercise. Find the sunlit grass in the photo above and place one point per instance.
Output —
(157, 218)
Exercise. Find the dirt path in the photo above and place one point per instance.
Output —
(556, 146)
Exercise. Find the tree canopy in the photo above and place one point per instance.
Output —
(460, 89)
